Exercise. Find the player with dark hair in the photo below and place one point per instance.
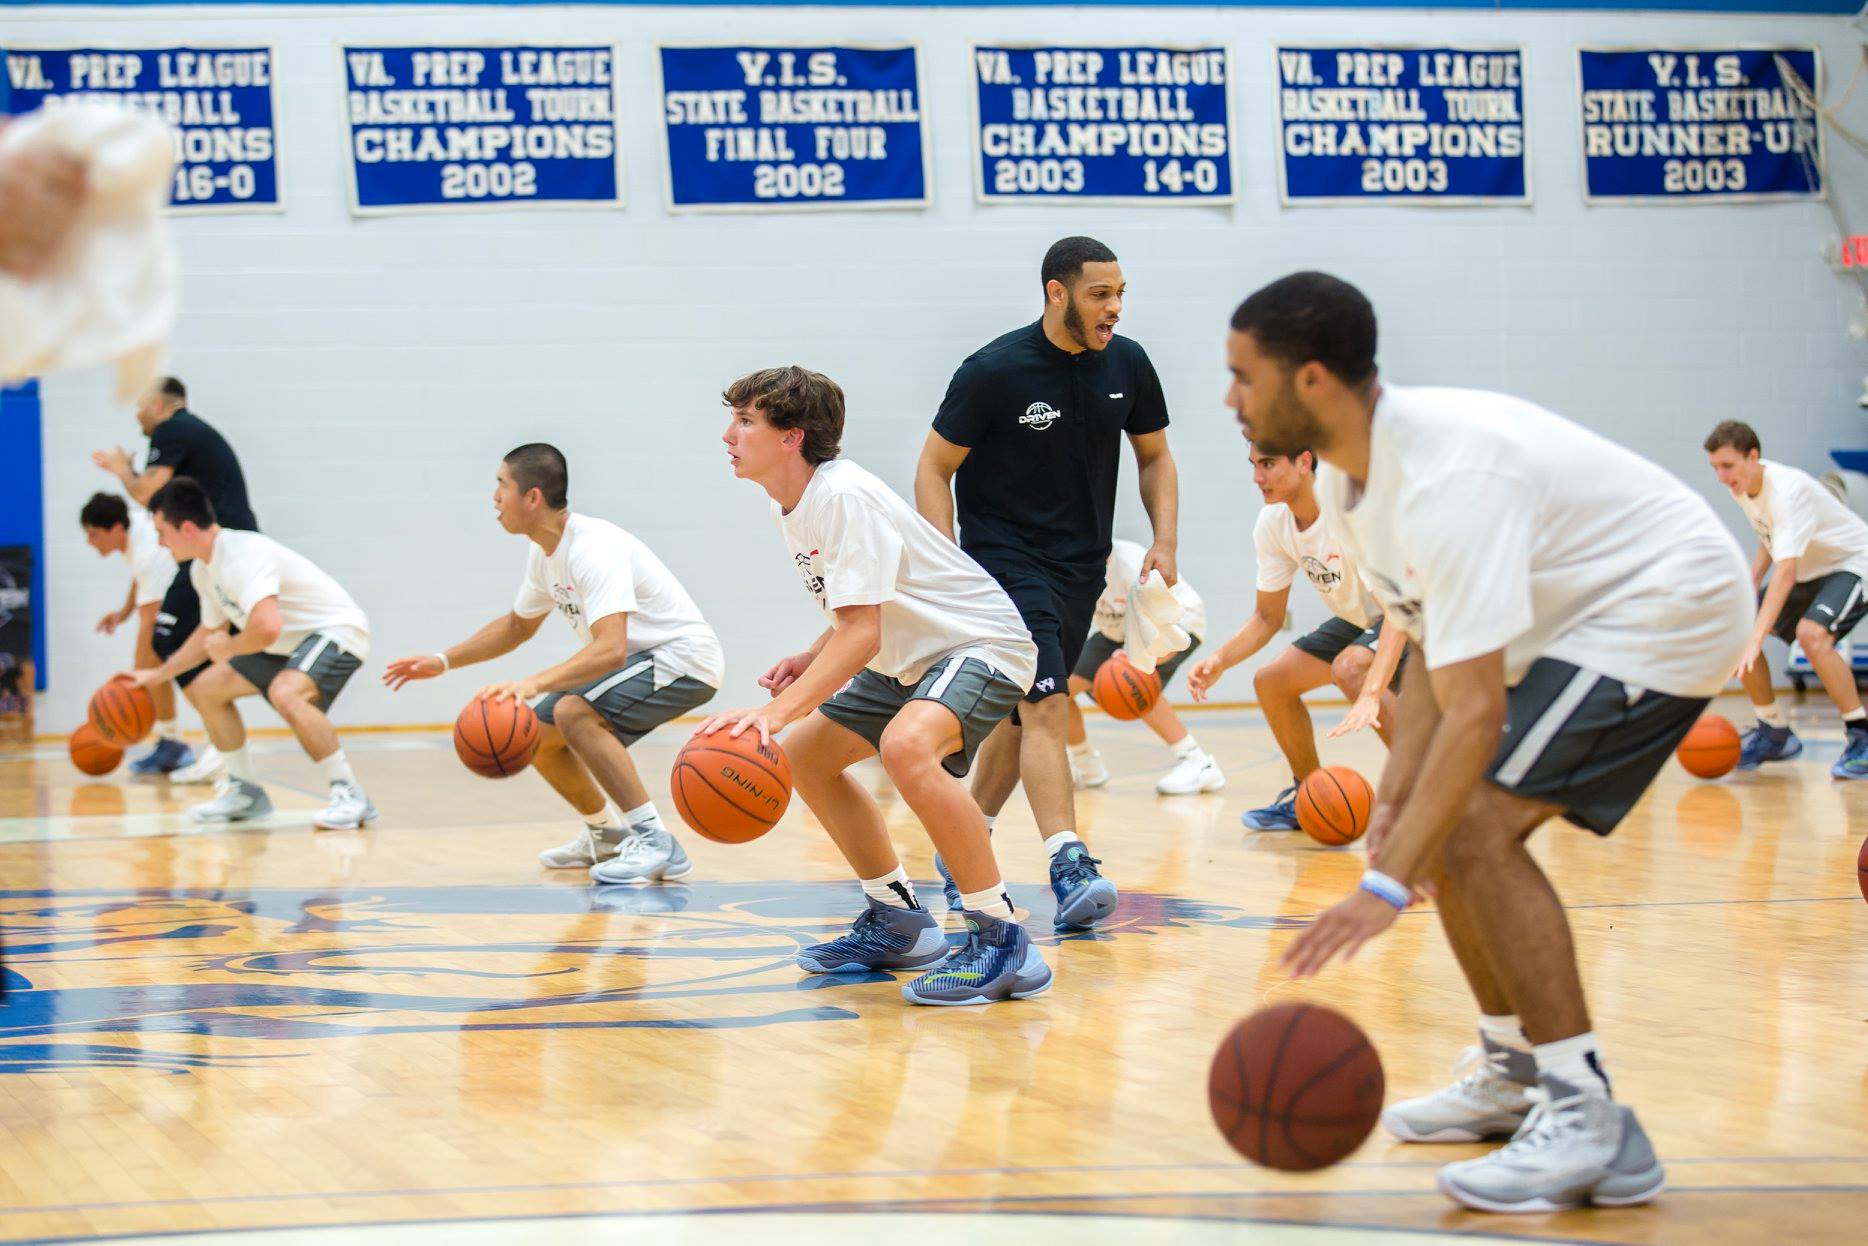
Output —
(1815, 551)
(1575, 607)
(1026, 449)
(647, 656)
(923, 657)
(182, 444)
(301, 638)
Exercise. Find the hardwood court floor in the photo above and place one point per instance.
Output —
(258, 1029)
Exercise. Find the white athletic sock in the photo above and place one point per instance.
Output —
(166, 729)
(1770, 715)
(1576, 1061)
(892, 889)
(993, 902)
(1506, 1031)
(990, 819)
(1188, 747)
(1083, 751)
(644, 817)
(235, 759)
(1857, 715)
(336, 769)
(1054, 844)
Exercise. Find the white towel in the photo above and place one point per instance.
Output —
(1154, 630)
(109, 294)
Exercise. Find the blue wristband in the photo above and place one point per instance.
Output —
(1383, 887)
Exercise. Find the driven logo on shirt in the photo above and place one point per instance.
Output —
(566, 602)
(813, 582)
(1039, 415)
(1321, 574)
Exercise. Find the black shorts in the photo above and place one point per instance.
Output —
(176, 620)
(1056, 612)
(629, 701)
(1837, 601)
(326, 663)
(1098, 649)
(1577, 740)
(1330, 637)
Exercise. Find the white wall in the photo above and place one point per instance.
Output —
(371, 373)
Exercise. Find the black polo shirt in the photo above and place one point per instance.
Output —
(189, 446)
(1043, 428)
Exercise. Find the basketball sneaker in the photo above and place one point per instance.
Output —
(1087, 770)
(235, 800)
(645, 856)
(1192, 775)
(882, 937)
(581, 853)
(207, 767)
(1573, 1150)
(948, 887)
(1490, 1098)
(1767, 743)
(1853, 764)
(997, 962)
(1084, 896)
(349, 809)
(1279, 815)
(167, 757)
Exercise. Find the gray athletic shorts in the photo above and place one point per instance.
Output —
(1576, 739)
(978, 695)
(629, 700)
(1098, 649)
(329, 665)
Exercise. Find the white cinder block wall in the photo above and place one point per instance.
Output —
(371, 373)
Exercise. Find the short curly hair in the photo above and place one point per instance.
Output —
(794, 397)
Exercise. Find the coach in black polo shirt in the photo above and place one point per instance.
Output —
(181, 443)
(1029, 438)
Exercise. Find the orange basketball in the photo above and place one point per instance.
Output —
(1295, 1087)
(1711, 747)
(1123, 691)
(1333, 805)
(123, 712)
(91, 754)
(731, 788)
(496, 738)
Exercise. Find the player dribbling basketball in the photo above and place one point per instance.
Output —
(925, 655)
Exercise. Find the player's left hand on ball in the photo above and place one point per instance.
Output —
(734, 722)
(142, 678)
(1343, 929)
(510, 690)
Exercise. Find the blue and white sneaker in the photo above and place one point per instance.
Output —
(997, 962)
(1853, 764)
(1279, 815)
(1767, 743)
(948, 887)
(882, 937)
(167, 757)
(1084, 896)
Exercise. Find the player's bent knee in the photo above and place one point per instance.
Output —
(1814, 637)
(573, 712)
(1351, 669)
(291, 692)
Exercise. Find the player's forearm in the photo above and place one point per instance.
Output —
(1388, 650)
(193, 653)
(496, 639)
(1463, 743)
(934, 497)
(845, 652)
(587, 665)
(1783, 579)
(1417, 716)
(1249, 639)
(1160, 485)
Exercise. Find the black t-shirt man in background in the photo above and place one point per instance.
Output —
(181, 443)
(1029, 440)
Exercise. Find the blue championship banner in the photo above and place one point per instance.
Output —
(445, 128)
(758, 128)
(1423, 125)
(1102, 125)
(218, 100)
(1699, 124)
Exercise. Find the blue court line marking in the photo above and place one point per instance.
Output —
(989, 1206)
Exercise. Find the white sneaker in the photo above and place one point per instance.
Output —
(1490, 1098)
(1088, 771)
(1575, 1149)
(581, 853)
(235, 800)
(645, 856)
(1193, 774)
(349, 809)
(205, 768)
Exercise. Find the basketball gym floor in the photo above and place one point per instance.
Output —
(414, 1034)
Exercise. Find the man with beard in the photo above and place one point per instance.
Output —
(1575, 608)
(1029, 438)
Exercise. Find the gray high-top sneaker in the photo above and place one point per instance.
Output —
(645, 856)
(235, 800)
(1575, 1149)
(1489, 1098)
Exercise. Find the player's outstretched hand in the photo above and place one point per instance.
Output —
(405, 670)
(1203, 676)
(785, 672)
(1366, 712)
(111, 622)
(1343, 929)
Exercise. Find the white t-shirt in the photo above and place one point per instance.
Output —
(1122, 573)
(1797, 518)
(151, 566)
(246, 568)
(856, 543)
(1284, 549)
(1489, 523)
(599, 570)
